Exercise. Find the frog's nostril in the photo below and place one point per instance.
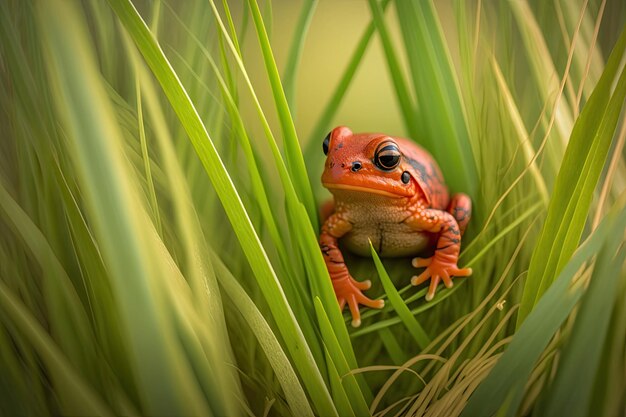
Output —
(356, 165)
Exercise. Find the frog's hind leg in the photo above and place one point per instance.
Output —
(461, 209)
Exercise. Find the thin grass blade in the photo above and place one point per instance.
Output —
(571, 389)
(572, 194)
(504, 386)
(295, 160)
(415, 329)
(295, 52)
(438, 95)
(233, 206)
(83, 400)
(166, 380)
(274, 352)
(334, 349)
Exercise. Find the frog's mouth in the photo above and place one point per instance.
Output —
(362, 189)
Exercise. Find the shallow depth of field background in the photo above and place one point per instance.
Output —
(159, 189)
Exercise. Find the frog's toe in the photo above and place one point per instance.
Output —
(432, 288)
(421, 262)
(354, 310)
(463, 272)
(362, 285)
(362, 299)
(423, 277)
(350, 293)
(445, 277)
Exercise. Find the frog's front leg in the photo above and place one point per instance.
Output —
(443, 264)
(347, 289)
(461, 209)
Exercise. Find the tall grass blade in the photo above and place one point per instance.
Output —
(146, 159)
(292, 334)
(280, 363)
(349, 382)
(340, 397)
(542, 64)
(585, 155)
(438, 94)
(77, 397)
(301, 228)
(213, 358)
(295, 52)
(321, 287)
(409, 112)
(165, 378)
(295, 161)
(571, 389)
(522, 134)
(504, 386)
(412, 325)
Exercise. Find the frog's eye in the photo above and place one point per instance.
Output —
(387, 156)
(326, 143)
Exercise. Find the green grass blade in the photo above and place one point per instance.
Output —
(397, 354)
(519, 220)
(295, 161)
(438, 95)
(542, 65)
(165, 378)
(241, 135)
(572, 195)
(280, 363)
(297, 219)
(231, 26)
(407, 107)
(212, 357)
(343, 403)
(522, 134)
(287, 182)
(255, 173)
(509, 376)
(335, 351)
(412, 325)
(322, 288)
(146, 158)
(295, 52)
(47, 259)
(81, 400)
(233, 206)
(571, 389)
(442, 294)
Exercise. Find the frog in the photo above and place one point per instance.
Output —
(388, 192)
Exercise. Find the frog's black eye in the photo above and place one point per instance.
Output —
(387, 156)
(326, 143)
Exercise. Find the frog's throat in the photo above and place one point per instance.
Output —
(361, 189)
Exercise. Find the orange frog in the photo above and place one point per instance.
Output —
(390, 191)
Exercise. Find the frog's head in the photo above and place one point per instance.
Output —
(366, 162)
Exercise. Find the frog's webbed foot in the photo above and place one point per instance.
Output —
(348, 291)
(438, 268)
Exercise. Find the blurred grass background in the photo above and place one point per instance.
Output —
(159, 185)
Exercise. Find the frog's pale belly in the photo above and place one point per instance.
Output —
(389, 239)
(384, 225)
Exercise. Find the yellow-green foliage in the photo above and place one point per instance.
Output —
(159, 168)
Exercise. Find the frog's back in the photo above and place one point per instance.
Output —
(424, 167)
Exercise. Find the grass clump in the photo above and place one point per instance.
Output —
(158, 212)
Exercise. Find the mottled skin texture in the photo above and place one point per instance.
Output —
(390, 191)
